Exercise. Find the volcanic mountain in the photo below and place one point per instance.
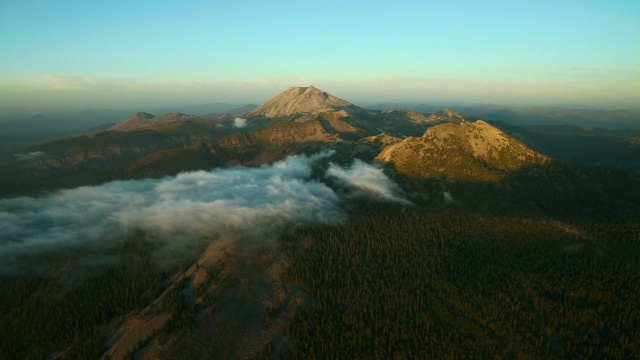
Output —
(469, 151)
(302, 100)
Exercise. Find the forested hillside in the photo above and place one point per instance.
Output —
(405, 282)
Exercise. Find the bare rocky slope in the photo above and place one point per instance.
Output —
(302, 100)
(472, 151)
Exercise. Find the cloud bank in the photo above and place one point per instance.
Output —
(367, 180)
(178, 213)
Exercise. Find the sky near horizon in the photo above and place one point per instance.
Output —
(98, 54)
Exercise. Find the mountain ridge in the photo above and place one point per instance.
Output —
(142, 119)
(446, 143)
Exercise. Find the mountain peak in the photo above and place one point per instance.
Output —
(302, 100)
(468, 151)
(452, 113)
(448, 115)
(142, 114)
(135, 120)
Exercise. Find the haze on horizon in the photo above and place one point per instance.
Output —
(118, 55)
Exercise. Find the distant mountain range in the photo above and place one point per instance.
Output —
(19, 130)
(304, 118)
(534, 115)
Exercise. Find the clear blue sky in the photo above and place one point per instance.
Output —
(121, 53)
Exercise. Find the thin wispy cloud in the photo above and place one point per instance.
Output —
(597, 72)
(30, 155)
(513, 85)
(581, 72)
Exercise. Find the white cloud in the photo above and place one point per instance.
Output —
(176, 212)
(239, 122)
(179, 213)
(29, 156)
(367, 179)
(448, 199)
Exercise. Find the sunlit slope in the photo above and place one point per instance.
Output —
(470, 151)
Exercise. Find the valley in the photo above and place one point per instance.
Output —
(310, 227)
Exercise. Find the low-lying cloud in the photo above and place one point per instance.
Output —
(239, 122)
(367, 180)
(448, 199)
(178, 213)
(29, 156)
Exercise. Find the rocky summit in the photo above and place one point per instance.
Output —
(465, 151)
(302, 100)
